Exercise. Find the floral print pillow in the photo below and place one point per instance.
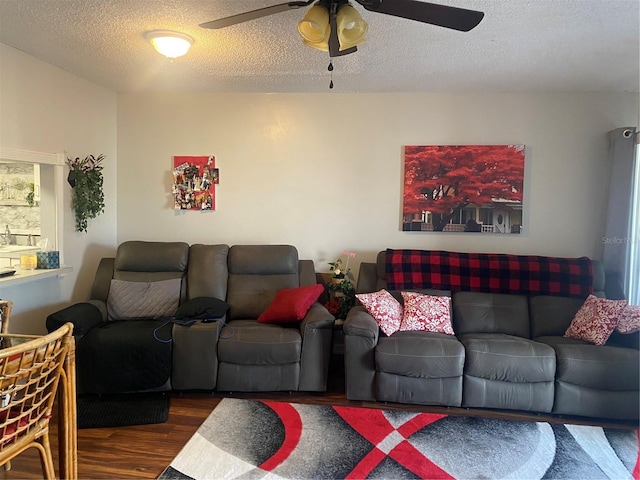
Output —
(596, 320)
(385, 309)
(426, 313)
(629, 319)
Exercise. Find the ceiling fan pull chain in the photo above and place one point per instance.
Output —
(330, 68)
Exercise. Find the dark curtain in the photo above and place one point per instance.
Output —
(617, 238)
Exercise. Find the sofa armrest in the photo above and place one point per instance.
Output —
(316, 330)
(361, 324)
(360, 340)
(84, 316)
(318, 317)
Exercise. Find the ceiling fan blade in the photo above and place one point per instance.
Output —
(253, 14)
(444, 16)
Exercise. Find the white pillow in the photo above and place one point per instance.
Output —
(129, 300)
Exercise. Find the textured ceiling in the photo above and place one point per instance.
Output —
(521, 45)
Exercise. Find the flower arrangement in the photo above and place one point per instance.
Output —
(342, 294)
(340, 272)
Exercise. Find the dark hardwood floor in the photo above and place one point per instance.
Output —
(145, 451)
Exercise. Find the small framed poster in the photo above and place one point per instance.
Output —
(194, 181)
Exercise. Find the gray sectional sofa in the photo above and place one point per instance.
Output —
(232, 286)
(508, 352)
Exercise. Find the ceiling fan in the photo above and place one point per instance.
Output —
(335, 26)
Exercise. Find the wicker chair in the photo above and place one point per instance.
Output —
(30, 371)
(5, 315)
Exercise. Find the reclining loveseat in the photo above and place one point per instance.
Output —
(506, 351)
(169, 316)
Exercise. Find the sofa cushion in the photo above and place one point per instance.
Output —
(208, 274)
(256, 273)
(427, 313)
(128, 300)
(629, 320)
(125, 356)
(417, 390)
(420, 354)
(384, 308)
(140, 256)
(528, 396)
(247, 342)
(508, 358)
(291, 304)
(551, 315)
(596, 320)
(598, 367)
(490, 313)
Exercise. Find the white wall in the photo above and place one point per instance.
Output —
(45, 109)
(324, 172)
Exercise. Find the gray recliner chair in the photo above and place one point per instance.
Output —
(254, 356)
(123, 333)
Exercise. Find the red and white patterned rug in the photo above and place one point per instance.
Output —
(251, 439)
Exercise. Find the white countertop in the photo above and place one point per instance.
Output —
(26, 276)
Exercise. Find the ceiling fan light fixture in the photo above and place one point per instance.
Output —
(322, 46)
(168, 43)
(314, 27)
(351, 28)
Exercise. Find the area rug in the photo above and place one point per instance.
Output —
(250, 439)
(98, 411)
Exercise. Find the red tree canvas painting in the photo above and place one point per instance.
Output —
(194, 180)
(468, 188)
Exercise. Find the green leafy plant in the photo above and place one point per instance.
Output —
(21, 185)
(85, 177)
(30, 197)
(342, 298)
(342, 294)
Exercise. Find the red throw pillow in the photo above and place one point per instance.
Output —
(596, 320)
(291, 304)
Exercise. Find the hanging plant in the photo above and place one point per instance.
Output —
(85, 177)
(30, 197)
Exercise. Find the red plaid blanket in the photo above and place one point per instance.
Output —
(489, 272)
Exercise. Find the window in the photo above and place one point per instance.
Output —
(49, 194)
(486, 216)
(467, 214)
